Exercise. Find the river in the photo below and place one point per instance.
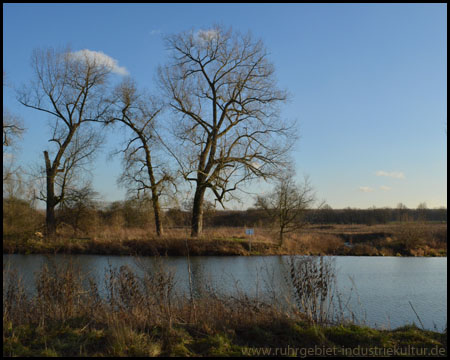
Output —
(378, 290)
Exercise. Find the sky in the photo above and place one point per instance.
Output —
(368, 86)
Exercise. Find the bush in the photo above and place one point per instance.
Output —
(20, 218)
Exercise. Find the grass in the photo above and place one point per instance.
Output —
(396, 239)
(144, 317)
(65, 341)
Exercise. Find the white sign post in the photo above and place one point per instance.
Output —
(249, 232)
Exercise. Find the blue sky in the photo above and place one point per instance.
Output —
(368, 85)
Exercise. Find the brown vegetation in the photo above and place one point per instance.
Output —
(386, 240)
(126, 228)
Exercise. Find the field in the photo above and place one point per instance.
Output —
(394, 239)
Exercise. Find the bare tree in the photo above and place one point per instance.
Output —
(422, 211)
(16, 190)
(288, 204)
(12, 131)
(142, 173)
(402, 212)
(223, 87)
(12, 128)
(79, 208)
(12, 124)
(71, 87)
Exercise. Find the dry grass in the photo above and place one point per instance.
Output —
(401, 239)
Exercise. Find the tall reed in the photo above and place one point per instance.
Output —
(314, 283)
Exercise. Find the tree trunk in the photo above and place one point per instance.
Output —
(155, 197)
(281, 238)
(282, 227)
(197, 212)
(51, 201)
(157, 211)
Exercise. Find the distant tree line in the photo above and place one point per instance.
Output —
(375, 216)
(258, 218)
(82, 217)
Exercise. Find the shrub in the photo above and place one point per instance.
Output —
(20, 218)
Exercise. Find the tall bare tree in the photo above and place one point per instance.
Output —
(223, 88)
(142, 173)
(71, 88)
(288, 204)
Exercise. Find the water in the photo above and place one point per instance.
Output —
(378, 289)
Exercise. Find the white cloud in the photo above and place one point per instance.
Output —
(393, 174)
(155, 32)
(385, 188)
(100, 58)
(204, 36)
(365, 189)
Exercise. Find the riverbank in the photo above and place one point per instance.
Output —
(145, 317)
(400, 239)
